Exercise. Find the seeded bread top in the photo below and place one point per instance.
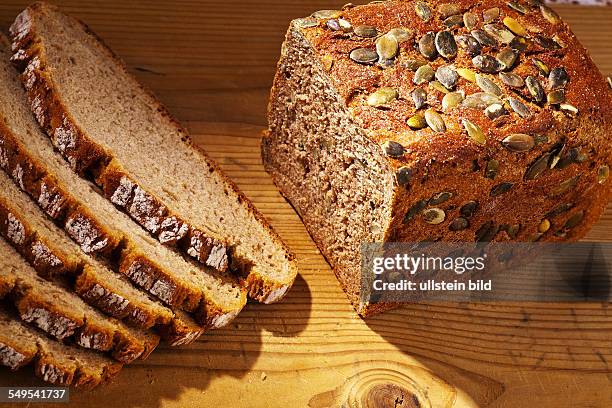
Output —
(432, 80)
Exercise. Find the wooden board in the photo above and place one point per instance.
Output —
(212, 63)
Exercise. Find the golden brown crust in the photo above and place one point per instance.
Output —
(569, 192)
(154, 216)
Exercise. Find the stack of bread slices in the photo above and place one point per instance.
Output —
(115, 230)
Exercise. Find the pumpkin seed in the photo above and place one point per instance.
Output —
(386, 63)
(519, 107)
(423, 74)
(560, 209)
(366, 56)
(556, 97)
(451, 100)
(400, 34)
(417, 122)
(434, 216)
(326, 14)
(414, 210)
(467, 74)
(488, 64)
(559, 41)
(436, 85)
(541, 66)
(568, 159)
(574, 220)
(544, 226)
(393, 149)
(558, 78)
(565, 186)
(500, 189)
(404, 175)
(454, 21)
(470, 20)
(480, 100)
(307, 22)
(495, 111)
(518, 142)
(413, 64)
(518, 7)
(339, 25)
(515, 26)
(435, 121)
(492, 169)
(469, 44)
(546, 43)
(487, 232)
(474, 132)
(512, 80)
(328, 62)
(445, 44)
(448, 9)
(483, 38)
(538, 167)
(423, 11)
(603, 174)
(382, 97)
(440, 198)
(447, 76)
(519, 44)
(535, 88)
(507, 56)
(609, 79)
(569, 109)
(387, 47)
(551, 16)
(488, 86)
(364, 31)
(427, 46)
(490, 15)
(459, 224)
(499, 33)
(419, 96)
(468, 209)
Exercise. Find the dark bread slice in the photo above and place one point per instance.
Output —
(52, 253)
(26, 154)
(63, 315)
(169, 186)
(55, 363)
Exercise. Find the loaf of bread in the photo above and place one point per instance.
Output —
(436, 120)
(110, 128)
(54, 362)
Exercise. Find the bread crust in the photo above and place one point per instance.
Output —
(85, 155)
(54, 362)
(450, 161)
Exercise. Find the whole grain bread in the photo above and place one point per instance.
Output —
(54, 256)
(214, 298)
(422, 121)
(54, 362)
(60, 313)
(164, 182)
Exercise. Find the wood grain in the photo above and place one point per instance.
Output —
(212, 64)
